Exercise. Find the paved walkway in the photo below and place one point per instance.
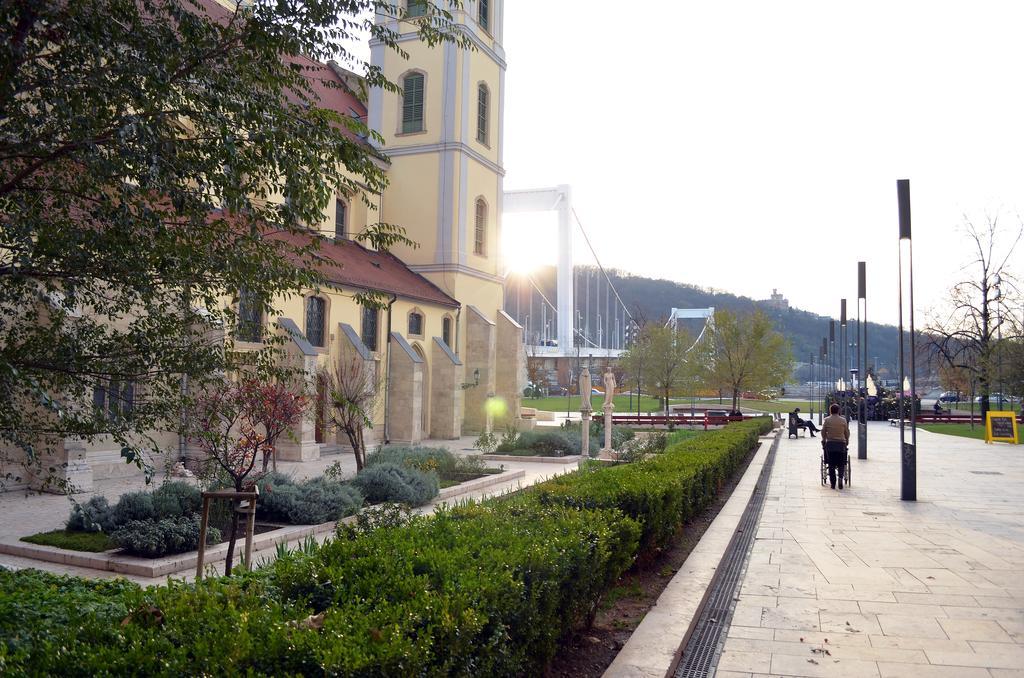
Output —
(29, 513)
(859, 583)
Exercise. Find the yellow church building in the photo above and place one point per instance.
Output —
(443, 348)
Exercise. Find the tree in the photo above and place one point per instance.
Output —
(277, 408)
(661, 357)
(226, 425)
(142, 144)
(352, 394)
(745, 354)
(965, 333)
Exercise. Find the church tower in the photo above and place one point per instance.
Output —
(443, 135)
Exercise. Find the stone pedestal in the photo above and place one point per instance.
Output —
(585, 436)
(608, 408)
(64, 467)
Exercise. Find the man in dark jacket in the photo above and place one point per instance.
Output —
(804, 423)
(835, 437)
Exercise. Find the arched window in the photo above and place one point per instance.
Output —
(316, 320)
(340, 220)
(483, 14)
(416, 324)
(250, 316)
(483, 103)
(412, 103)
(480, 231)
(369, 329)
(446, 331)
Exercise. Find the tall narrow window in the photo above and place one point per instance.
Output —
(482, 104)
(446, 331)
(483, 14)
(480, 232)
(316, 320)
(369, 333)
(250, 316)
(340, 220)
(417, 8)
(412, 103)
(114, 400)
(416, 324)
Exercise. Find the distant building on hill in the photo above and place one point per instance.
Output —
(777, 301)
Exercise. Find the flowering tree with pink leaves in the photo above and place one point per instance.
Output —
(236, 425)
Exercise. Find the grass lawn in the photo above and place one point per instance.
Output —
(962, 430)
(762, 405)
(558, 403)
(93, 542)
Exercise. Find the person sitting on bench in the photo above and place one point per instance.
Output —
(803, 423)
(938, 408)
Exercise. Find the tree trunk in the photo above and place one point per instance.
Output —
(233, 534)
(735, 399)
(355, 439)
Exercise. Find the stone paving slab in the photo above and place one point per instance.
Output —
(916, 589)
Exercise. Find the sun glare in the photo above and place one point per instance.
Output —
(528, 241)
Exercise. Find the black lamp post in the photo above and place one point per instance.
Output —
(823, 356)
(810, 394)
(862, 350)
(908, 451)
(832, 354)
(844, 363)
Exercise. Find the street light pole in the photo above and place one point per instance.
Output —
(908, 451)
(823, 356)
(810, 395)
(842, 353)
(862, 350)
(832, 354)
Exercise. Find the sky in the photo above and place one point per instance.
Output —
(751, 145)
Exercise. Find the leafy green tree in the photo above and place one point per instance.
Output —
(745, 354)
(661, 359)
(144, 145)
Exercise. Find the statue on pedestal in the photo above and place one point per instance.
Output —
(609, 405)
(585, 386)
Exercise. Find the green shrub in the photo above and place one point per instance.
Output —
(177, 498)
(91, 516)
(132, 506)
(440, 460)
(312, 502)
(552, 443)
(663, 491)
(482, 589)
(391, 482)
(154, 538)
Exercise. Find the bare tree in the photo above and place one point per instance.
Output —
(352, 393)
(964, 335)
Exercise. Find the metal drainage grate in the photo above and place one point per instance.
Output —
(987, 473)
(703, 645)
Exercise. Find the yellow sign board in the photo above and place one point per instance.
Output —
(1001, 427)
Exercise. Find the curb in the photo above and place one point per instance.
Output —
(653, 648)
(570, 459)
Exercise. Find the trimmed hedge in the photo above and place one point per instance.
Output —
(482, 589)
(664, 491)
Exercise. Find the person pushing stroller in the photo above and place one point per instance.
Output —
(835, 437)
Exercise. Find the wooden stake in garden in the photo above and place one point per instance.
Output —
(235, 498)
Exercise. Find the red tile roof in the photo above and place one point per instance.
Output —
(348, 264)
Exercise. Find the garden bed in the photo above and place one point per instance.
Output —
(490, 588)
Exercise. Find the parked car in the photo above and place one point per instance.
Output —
(949, 397)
